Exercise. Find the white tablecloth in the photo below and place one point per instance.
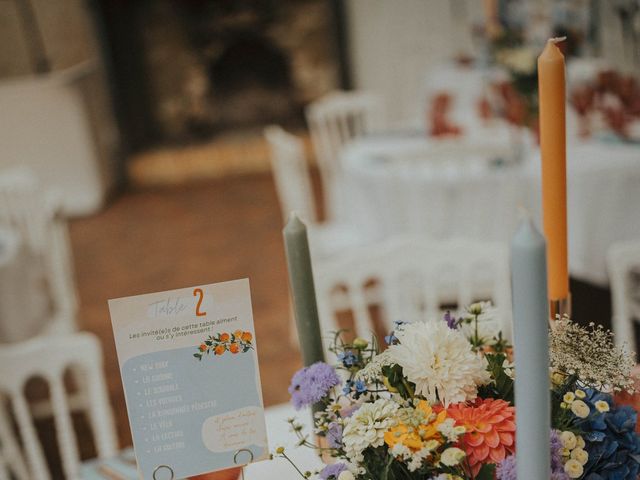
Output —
(279, 435)
(412, 185)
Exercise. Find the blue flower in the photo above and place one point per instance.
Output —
(348, 359)
(611, 441)
(310, 384)
(391, 339)
(331, 472)
(358, 387)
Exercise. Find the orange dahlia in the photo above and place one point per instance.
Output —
(490, 430)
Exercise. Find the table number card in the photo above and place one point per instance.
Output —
(190, 372)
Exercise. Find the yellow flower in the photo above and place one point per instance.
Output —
(580, 455)
(557, 378)
(580, 442)
(580, 409)
(573, 468)
(569, 397)
(602, 406)
(415, 438)
(568, 440)
(580, 394)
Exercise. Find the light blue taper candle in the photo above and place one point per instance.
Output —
(531, 346)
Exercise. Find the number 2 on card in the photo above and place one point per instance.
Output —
(198, 292)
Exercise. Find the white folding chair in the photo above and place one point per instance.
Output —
(34, 213)
(623, 261)
(291, 175)
(49, 358)
(415, 279)
(334, 120)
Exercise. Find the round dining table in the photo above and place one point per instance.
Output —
(477, 187)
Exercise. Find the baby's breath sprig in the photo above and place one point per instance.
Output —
(589, 354)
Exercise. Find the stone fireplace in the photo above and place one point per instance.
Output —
(189, 71)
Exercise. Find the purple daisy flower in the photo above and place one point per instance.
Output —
(310, 384)
(331, 472)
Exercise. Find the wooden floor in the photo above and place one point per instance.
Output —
(154, 240)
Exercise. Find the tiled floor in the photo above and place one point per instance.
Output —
(154, 240)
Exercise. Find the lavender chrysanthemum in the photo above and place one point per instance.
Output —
(331, 472)
(556, 453)
(507, 468)
(334, 435)
(310, 384)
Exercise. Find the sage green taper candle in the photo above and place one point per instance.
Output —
(302, 290)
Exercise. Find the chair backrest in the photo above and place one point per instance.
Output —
(49, 358)
(623, 262)
(415, 279)
(32, 210)
(339, 117)
(290, 173)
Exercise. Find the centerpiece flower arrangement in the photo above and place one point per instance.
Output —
(438, 404)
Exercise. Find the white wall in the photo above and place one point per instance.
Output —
(394, 43)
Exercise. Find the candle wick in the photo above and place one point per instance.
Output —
(557, 40)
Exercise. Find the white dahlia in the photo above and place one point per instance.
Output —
(366, 427)
(440, 362)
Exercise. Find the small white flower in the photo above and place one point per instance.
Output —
(372, 371)
(580, 455)
(452, 456)
(346, 475)
(580, 409)
(568, 440)
(602, 406)
(580, 442)
(366, 427)
(580, 394)
(573, 468)
(569, 397)
(400, 450)
(448, 429)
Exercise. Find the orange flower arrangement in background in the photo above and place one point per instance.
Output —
(236, 342)
(490, 430)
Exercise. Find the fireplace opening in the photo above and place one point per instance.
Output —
(190, 71)
(251, 84)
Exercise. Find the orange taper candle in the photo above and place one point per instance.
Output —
(551, 92)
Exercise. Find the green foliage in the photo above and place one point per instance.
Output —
(502, 386)
(397, 381)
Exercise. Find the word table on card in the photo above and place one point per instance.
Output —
(189, 367)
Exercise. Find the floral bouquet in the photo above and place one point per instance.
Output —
(438, 403)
